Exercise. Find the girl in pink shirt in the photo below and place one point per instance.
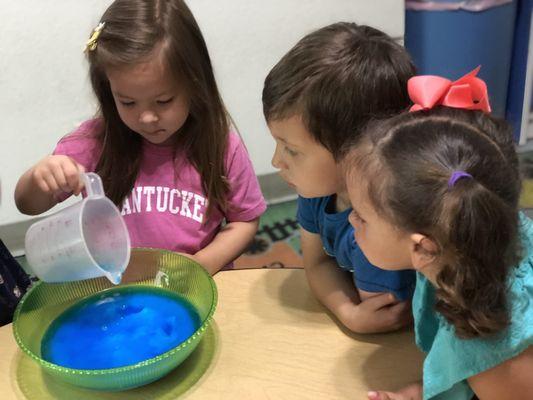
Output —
(161, 140)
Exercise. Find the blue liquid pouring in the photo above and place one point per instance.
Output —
(119, 327)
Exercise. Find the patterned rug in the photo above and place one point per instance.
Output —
(277, 242)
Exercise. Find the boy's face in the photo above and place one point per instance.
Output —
(304, 163)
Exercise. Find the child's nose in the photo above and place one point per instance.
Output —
(148, 117)
(276, 159)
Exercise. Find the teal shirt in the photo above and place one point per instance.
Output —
(450, 360)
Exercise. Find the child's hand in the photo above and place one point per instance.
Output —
(411, 392)
(381, 313)
(56, 174)
(386, 396)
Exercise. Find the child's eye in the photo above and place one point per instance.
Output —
(165, 101)
(290, 151)
(127, 103)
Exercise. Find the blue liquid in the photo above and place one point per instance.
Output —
(120, 327)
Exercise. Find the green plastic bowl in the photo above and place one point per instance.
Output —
(149, 267)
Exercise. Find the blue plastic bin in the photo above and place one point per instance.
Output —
(516, 96)
(450, 43)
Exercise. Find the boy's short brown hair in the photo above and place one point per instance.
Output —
(338, 78)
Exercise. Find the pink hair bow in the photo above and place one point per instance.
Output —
(468, 92)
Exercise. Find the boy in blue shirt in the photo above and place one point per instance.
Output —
(316, 100)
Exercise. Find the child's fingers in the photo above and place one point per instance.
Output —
(41, 183)
(380, 301)
(385, 396)
(378, 396)
(81, 183)
(400, 314)
(401, 308)
(411, 392)
(50, 181)
(72, 177)
(60, 178)
(72, 170)
(38, 177)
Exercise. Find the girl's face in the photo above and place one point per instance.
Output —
(383, 244)
(148, 99)
(304, 163)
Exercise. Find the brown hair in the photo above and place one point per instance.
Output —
(338, 78)
(406, 162)
(133, 28)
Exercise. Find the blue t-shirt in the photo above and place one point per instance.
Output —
(338, 240)
(450, 360)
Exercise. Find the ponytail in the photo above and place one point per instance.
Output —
(477, 258)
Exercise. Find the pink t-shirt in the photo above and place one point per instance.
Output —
(166, 209)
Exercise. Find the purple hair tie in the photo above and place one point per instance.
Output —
(456, 175)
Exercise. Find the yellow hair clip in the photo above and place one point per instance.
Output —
(93, 40)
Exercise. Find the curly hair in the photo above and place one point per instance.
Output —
(407, 161)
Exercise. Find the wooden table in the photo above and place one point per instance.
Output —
(271, 340)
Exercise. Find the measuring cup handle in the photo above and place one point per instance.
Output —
(93, 184)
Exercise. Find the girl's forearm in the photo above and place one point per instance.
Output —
(227, 245)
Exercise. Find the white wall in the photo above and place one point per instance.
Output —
(44, 88)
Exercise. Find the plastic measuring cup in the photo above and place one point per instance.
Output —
(86, 240)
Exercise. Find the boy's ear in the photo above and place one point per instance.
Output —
(424, 251)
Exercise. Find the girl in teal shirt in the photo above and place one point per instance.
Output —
(436, 190)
